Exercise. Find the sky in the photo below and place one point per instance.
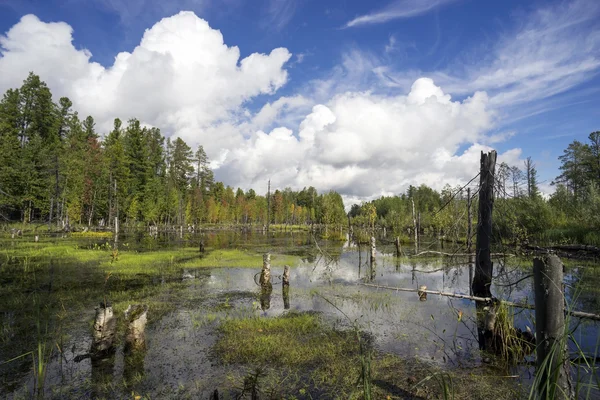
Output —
(365, 98)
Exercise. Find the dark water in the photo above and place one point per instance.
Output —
(329, 279)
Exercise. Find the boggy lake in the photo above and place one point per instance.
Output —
(210, 327)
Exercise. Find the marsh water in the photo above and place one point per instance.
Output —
(327, 277)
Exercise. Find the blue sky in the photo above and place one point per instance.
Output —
(533, 64)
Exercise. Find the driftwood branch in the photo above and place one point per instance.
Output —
(440, 253)
(578, 314)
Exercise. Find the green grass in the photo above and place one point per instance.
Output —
(299, 354)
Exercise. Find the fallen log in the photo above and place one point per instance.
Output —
(440, 253)
(578, 314)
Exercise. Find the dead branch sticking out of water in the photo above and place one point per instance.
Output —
(440, 253)
(578, 314)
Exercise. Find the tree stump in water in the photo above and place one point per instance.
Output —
(105, 326)
(285, 281)
(265, 275)
(136, 317)
(285, 284)
(373, 249)
(422, 293)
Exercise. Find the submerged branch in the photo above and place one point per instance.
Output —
(578, 314)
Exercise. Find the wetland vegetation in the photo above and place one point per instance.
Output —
(208, 329)
(133, 218)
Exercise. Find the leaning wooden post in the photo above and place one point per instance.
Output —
(285, 285)
(551, 333)
(483, 261)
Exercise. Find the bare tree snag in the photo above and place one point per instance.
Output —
(483, 261)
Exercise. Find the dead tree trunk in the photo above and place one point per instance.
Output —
(136, 316)
(416, 232)
(105, 326)
(285, 284)
(470, 239)
(265, 275)
(398, 246)
(483, 261)
(373, 250)
(551, 333)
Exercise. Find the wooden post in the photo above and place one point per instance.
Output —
(285, 285)
(483, 261)
(105, 325)
(398, 247)
(551, 333)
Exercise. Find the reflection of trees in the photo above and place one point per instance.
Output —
(582, 289)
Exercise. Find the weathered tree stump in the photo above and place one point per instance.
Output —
(285, 280)
(373, 250)
(285, 285)
(265, 296)
(136, 317)
(105, 326)
(551, 333)
(265, 275)
(422, 293)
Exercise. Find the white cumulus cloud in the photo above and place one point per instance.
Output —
(182, 77)
(338, 134)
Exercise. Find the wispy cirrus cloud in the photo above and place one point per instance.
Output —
(546, 53)
(398, 9)
(279, 13)
(148, 9)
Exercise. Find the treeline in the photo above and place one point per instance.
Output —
(521, 213)
(55, 168)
